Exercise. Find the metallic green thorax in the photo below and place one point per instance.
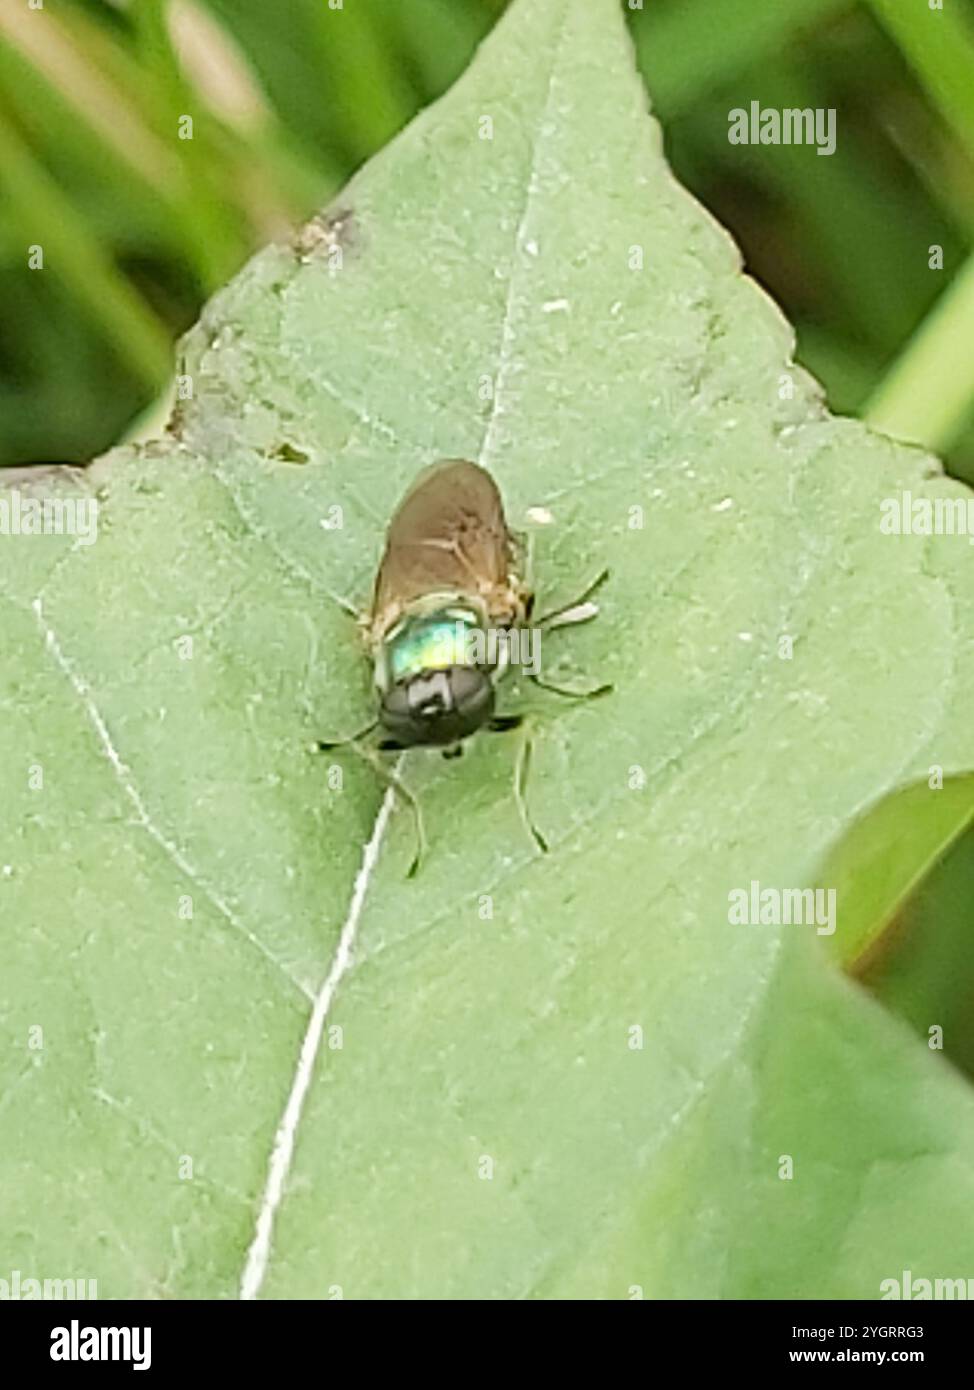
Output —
(431, 642)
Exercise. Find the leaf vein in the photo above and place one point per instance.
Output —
(123, 776)
(282, 1153)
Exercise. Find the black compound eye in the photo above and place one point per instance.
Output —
(433, 704)
(471, 691)
(438, 707)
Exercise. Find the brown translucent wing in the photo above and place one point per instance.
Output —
(448, 534)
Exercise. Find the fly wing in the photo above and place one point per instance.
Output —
(448, 534)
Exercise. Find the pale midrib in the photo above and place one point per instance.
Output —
(258, 1255)
(508, 334)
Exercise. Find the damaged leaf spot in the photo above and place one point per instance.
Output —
(326, 233)
(289, 453)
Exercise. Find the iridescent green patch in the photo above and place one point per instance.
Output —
(430, 644)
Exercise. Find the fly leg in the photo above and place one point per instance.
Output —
(502, 724)
(521, 772)
(566, 694)
(390, 778)
(326, 745)
(580, 610)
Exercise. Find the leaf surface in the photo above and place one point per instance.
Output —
(488, 1126)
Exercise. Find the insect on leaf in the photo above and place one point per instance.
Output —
(268, 1064)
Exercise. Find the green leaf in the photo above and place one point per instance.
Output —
(921, 968)
(885, 856)
(488, 1126)
(928, 393)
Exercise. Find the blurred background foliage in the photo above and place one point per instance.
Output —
(289, 97)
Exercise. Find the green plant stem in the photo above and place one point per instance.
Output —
(927, 395)
(939, 46)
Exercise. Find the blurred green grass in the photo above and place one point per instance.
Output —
(139, 226)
